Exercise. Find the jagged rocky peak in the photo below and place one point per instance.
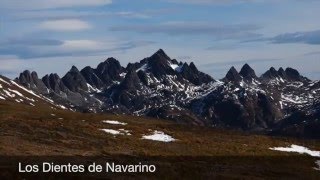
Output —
(133, 66)
(193, 75)
(292, 72)
(289, 74)
(247, 72)
(233, 75)
(25, 78)
(31, 80)
(273, 70)
(294, 75)
(131, 81)
(193, 67)
(34, 75)
(159, 57)
(87, 69)
(28, 78)
(159, 64)
(281, 72)
(271, 74)
(109, 71)
(174, 61)
(185, 65)
(160, 54)
(90, 76)
(54, 82)
(74, 69)
(75, 81)
(110, 62)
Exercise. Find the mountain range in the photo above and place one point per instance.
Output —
(279, 102)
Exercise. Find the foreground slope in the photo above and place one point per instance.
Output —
(43, 131)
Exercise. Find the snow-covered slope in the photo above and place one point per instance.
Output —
(11, 91)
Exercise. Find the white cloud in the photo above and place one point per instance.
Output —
(130, 14)
(81, 45)
(75, 47)
(74, 14)
(65, 25)
(27, 49)
(49, 4)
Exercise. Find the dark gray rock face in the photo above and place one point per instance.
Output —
(281, 72)
(233, 75)
(74, 81)
(158, 64)
(243, 108)
(289, 74)
(131, 81)
(31, 80)
(92, 78)
(192, 74)
(271, 73)
(54, 83)
(302, 123)
(247, 73)
(126, 93)
(294, 75)
(109, 71)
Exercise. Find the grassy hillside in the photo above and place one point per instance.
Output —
(199, 151)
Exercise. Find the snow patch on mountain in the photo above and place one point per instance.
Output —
(159, 136)
(2, 80)
(93, 89)
(111, 131)
(176, 67)
(297, 149)
(117, 132)
(143, 68)
(293, 99)
(114, 122)
(9, 94)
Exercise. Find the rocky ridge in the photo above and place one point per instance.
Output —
(162, 87)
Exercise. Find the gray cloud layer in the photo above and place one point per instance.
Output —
(307, 37)
(216, 32)
(35, 48)
(310, 37)
(49, 4)
(30, 41)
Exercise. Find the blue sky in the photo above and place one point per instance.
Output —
(51, 35)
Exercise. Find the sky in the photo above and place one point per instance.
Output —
(52, 35)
